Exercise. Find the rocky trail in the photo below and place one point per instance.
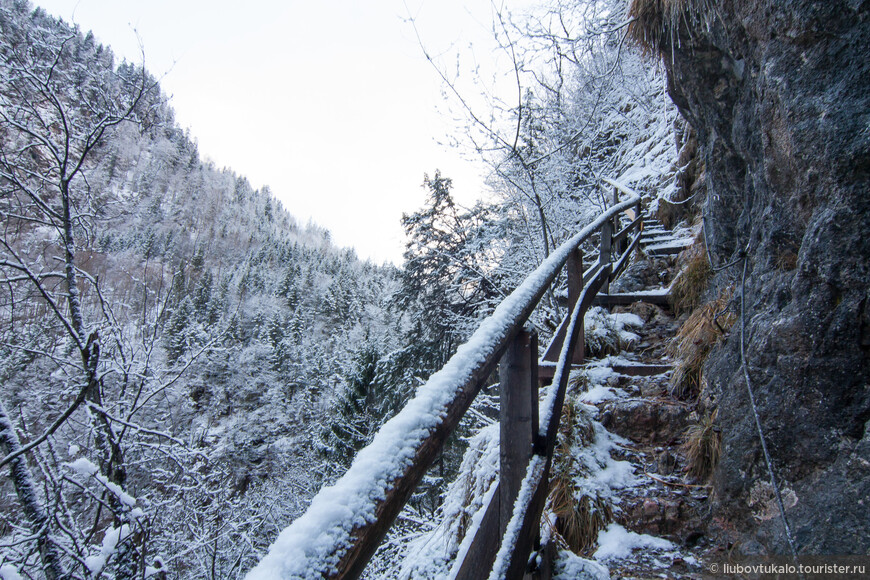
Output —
(657, 513)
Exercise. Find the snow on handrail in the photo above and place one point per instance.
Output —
(623, 188)
(550, 408)
(321, 540)
(536, 473)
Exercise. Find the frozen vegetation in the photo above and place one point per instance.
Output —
(184, 365)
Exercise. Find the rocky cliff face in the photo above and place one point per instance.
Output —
(778, 92)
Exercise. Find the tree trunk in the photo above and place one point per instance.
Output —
(112, 460)
(27, 497)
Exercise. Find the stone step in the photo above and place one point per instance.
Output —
(660, 297)
(668, 248)
(652, 424)
(641, 369)
(650, 421)
(547, 369)
(656, 240)
(649, 232)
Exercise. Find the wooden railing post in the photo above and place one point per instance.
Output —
(574, 270)
(620, 247)
(518, 376)
(640, 215)
(604, 257)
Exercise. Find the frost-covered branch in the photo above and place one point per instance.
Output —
(26, 492)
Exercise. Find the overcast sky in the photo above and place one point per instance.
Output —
(331, 104)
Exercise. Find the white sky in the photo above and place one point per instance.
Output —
(331, 104)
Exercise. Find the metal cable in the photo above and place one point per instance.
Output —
(749, 390)
(744, 256)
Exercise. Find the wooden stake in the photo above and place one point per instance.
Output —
(604, 251)
(575, 287)
(518, 386)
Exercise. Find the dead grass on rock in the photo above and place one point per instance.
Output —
(645, 310)
(702, 447)
(694, 341)
(655, 24)
(691, 282)
(578, 520)
(668, 213)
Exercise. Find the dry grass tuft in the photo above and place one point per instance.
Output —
(578, 520)
(786, 260)
(702, 447)
(606, 335)
(691, 282)
(693, 342)
(645, 310)
(668, 213)
(654, 23)
(575, 427)
(578, 382)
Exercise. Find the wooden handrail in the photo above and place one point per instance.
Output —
(623, 233)
(345, 523)
(623, 261)
(552, 406)
(621, 187)
(515, 546)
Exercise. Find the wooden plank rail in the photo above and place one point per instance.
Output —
(346, 522)
(623, 233)
(518, 413)
(516, 545)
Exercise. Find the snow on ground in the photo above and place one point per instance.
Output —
(570, 566)
(601, 474)
(617, 543)
(670, 244)
(600, 379)
(597, 374)
(599, 393)
(650, 161)
(627, 319)
(9, 572)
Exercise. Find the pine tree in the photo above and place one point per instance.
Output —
(356, 409)
(178, 331)
(442, 283)
(202, 294)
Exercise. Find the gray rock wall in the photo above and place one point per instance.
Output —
(779, 94)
